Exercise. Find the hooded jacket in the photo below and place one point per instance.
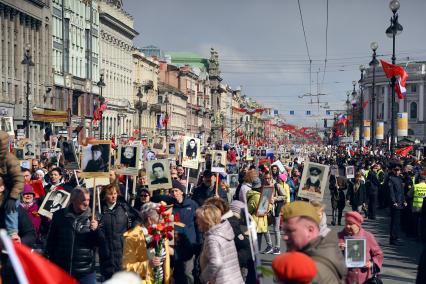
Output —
(186, 212)
(219, 259)
(10, 171)
(328, 259)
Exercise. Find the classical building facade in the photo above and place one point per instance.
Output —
(414, 103)
(25, 25)
(116, 49)
(75, 41)
(145, 87)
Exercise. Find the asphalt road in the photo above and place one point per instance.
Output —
(400, 263)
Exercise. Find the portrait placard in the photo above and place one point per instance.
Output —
(54, 201)
(158, 174)
(193, 175)
(96, 159)
(218, 161)
(53, 141)
(69, 155)
(159, 144)
(233, 181)
(191, 152)
(355, 252)
(19, 153)
(150, 155)
(264, 201)
(314, 181)
(172, 149)
(127, 158)
(350, 172)
(6, 124)
(334, 170)
(280, 165)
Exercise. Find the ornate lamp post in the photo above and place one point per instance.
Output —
(101, 85)
(347, 113)
(392, 31)
(139, 108)
(166, 102)
(373, 63)
(353, 107)
(361, 127)
(29, 62)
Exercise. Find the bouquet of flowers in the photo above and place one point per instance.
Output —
(160, 232)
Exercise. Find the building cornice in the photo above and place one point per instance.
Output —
(117, 25)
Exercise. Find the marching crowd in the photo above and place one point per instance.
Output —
(210, 239)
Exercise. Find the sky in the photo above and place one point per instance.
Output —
(262, 47)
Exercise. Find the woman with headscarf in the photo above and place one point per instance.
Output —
(374, 254)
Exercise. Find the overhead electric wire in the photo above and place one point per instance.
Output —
(307, 47)
(326, 46)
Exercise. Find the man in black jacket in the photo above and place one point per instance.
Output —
(73, 236)
(397, 203)
(207, 189)
(373, 185)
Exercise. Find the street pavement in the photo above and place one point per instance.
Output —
(400, 263)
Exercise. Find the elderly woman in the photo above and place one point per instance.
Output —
(137, 257)
(219, 259)
(374, 254)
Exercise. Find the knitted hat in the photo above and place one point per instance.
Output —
(40, 172)
(236, 206)
(354, 217)
(28, 189)
(177, 184)
(300, 209)
(283, 176)
(294, 267)
(257, 183)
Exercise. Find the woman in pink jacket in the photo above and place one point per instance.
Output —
(374, 254)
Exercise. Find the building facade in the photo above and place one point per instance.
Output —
(116, 48)
(75, 41)
(414, 103)
(25, 25)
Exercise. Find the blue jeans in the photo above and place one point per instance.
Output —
(88, 279)
(11, 220)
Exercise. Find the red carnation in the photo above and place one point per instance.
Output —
(177, 217)
(169, 236)
(157, 237)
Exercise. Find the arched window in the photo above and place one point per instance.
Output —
(382, 111)
(413, 110)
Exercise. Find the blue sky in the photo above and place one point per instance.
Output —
(261, 44)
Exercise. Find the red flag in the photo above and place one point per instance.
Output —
(32, 268)
(365, 104)
(403, 151)
(392, 70)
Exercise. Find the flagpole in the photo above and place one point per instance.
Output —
(16, 264)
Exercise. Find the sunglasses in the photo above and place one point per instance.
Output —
(144, 195)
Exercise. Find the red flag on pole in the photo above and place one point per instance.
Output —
(392, 70)
(403, 151)
(365, 104)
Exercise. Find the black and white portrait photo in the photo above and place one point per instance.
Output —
(264, 201)
(218, 162)
(150, 155)
(233, 180)
(263, 153)
(128, 159)
(158, 174)
(159, 143)
(54, 201)
(19, 153)
(69, 155)
(314, 181)
(6, 124)
(350, 172)
(192, 152)
(29, 151)
(172, 148)
(355, 252)
(96, 159)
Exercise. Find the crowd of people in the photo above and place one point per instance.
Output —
(210, 239)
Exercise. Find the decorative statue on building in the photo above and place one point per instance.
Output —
(117, 3)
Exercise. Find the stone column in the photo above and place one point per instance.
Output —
(386, 104)
(421, 100)
(401, 104)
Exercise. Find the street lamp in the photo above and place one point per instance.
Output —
(139, 107)
(392, 31)
(347, 114)
(28, 61)
(373, 63)
(101, 85)
(166, 119)
(360, 82)
(353, 107)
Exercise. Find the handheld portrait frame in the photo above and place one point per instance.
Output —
(264, 201)
(89, 171)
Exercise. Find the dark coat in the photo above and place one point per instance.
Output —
(113, 224)
(186, 211)
(202, 192)
(396, 191)
(373, 183)
(71, 243)
(338, 199)
(356, 198)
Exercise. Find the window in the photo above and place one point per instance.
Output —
(413, 110)
(414, 88)
(410, 132)
(383, 90)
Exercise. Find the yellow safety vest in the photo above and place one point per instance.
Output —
(419, 194)
(366, 173)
